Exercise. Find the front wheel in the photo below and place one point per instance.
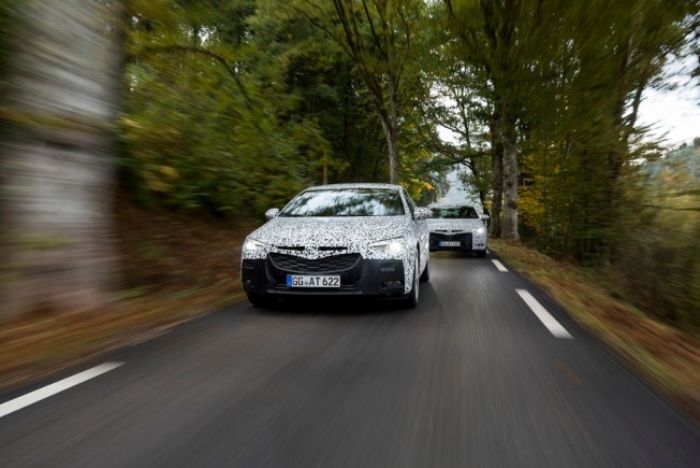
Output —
(481, 253)
(425, 276)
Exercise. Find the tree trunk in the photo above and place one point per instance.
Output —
(57, 166)
(509, 229)
(476, 176)
(471, 161)
(393, 131)
(324, 163)
(390, 136)
(393, 159)
(497, 169)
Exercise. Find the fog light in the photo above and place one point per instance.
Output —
(392, 284)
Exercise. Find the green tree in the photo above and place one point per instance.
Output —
(383, 39)
(497, 39)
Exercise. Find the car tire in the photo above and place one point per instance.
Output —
(258, 300)
(481, 253)
(425, 276)
(411, 301)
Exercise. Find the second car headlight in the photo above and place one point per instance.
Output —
(393, 247)
(480, 231)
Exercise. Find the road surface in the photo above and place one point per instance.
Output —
(478, 375)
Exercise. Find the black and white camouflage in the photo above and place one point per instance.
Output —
(454, 226)
(366, 235)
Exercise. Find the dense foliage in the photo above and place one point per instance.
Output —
(231, 106)
(234, 105)
(556, 88)
(657, 257)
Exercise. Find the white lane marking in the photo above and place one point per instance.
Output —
(44, 392)
(499, 265)
(545, 317)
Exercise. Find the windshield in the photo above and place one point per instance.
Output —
(453, 213)
(346, 202)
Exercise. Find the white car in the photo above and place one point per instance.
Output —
(458, 227)
(339, 240)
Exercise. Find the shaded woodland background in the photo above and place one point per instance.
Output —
(220, 109)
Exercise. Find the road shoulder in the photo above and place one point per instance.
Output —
(665, 358)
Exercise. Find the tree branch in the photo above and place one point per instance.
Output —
(178, 48)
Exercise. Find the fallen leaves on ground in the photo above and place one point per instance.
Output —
(668, 357)
(173, 268)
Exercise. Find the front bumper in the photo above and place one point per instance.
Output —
(467, 242)
(363, 277)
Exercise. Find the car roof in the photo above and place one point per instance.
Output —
(356, 185)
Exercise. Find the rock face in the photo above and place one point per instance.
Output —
(57, 163)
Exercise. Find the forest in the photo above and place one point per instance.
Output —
(224, 108)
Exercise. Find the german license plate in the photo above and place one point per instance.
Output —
(313, 281)
(450, 243)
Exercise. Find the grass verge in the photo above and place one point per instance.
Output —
(38, 346)
(668, 358)
(173, 268)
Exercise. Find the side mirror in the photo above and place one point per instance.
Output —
(423, 213)
(485, 219)
(272, 213)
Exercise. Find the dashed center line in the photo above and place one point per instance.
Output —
(30, 398)
(499, 265)
(545, 317)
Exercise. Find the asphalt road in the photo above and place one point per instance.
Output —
(470, 378)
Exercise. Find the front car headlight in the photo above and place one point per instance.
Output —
(480, 231)
(394, 248)
(253, 249)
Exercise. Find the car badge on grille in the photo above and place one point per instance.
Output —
(311, 251)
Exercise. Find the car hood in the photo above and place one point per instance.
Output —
(330, 231)
(458, 224)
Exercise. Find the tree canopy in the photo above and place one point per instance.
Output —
(231, 106)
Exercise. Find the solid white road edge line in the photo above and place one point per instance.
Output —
(545, 317)
(499, 265)
(30, 398)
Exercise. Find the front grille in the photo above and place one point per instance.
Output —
(465, 239)
(320, 265)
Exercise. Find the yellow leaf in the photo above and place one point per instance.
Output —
(169, 172)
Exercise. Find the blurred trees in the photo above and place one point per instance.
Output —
(560, 78)
(504, 42)
(201, 130)
(226, 107)
(558, 86)
(231, 106)
(234, 105)
(382, 39)
(59, 93)
(658, 253)
(457, 105)
(580, 139)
